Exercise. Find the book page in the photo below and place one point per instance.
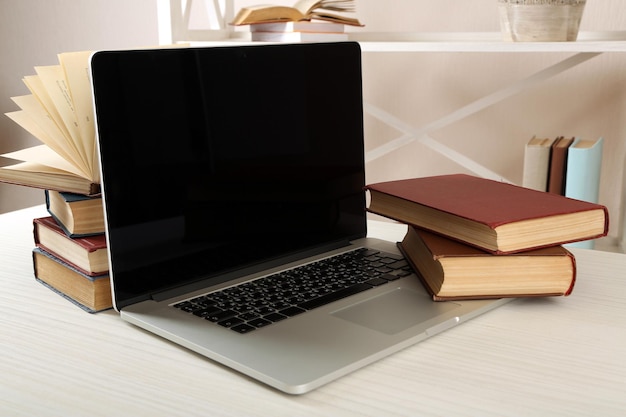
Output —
(36, 120)
(45, 156)
(53, 79)
(306, 6)
(36, 87)
(76, 68)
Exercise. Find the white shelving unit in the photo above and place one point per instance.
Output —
(589, 45)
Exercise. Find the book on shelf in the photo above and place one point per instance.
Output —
(584, 166)
(91, 293)
(495, 216)
(582, 178)
(450, 270)
(537, 163)
(76, 214)
(59, 113)
(558, 165)
(302, 26)
(303, 10)
(87, 254)
(298, 37)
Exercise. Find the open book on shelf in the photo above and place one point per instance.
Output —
(59, 113)
(301, 10)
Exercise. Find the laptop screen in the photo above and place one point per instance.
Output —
(218, 159)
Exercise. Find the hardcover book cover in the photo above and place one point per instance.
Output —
(87, 254)
(492, 215)
(91, 293)
(78, 215)
(451, 270)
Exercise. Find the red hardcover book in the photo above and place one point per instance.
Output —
(495, 216)
(451, 270)
(87, 254)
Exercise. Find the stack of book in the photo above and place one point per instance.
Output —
(306, 21)
(70, 251)
(70, 255)
(298, 32)
(58, 112)
(565, 166)
(474, 238)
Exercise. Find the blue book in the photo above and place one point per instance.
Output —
(582, 181)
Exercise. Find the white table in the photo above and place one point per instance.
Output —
(553, 356)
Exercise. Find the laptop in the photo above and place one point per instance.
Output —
(233, 187)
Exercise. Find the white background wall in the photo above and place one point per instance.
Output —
(32, 32)
(588, 101)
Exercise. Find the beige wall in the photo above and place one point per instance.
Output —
(32, 32)
(588, 101)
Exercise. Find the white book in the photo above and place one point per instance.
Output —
(298, 37)
(537, 163)
(302, 26)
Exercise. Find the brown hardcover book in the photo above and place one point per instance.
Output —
(451, 270)
(87, 254)
(494, 216)
(93, 294)
(301, 10)
(558, 165)
(76, 214)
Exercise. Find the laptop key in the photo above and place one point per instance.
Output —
(259, 323)
(291, 311)
(186, 306)
(203, 312)
(243, 328)
(230, 322)
(274, 317)
(398, 264)
(221, 315)
(391, 276)
(248, 316)
(334, 296)
(376, 282)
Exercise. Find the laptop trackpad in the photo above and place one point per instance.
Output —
(394, 311)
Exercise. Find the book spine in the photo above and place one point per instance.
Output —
(558, 165)
(582, 181)
(536, 167)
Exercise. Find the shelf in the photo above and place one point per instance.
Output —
(588, 42)
(614, 41)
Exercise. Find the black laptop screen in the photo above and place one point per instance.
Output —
(214, 159)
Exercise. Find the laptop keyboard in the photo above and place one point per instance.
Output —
(259, 303)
